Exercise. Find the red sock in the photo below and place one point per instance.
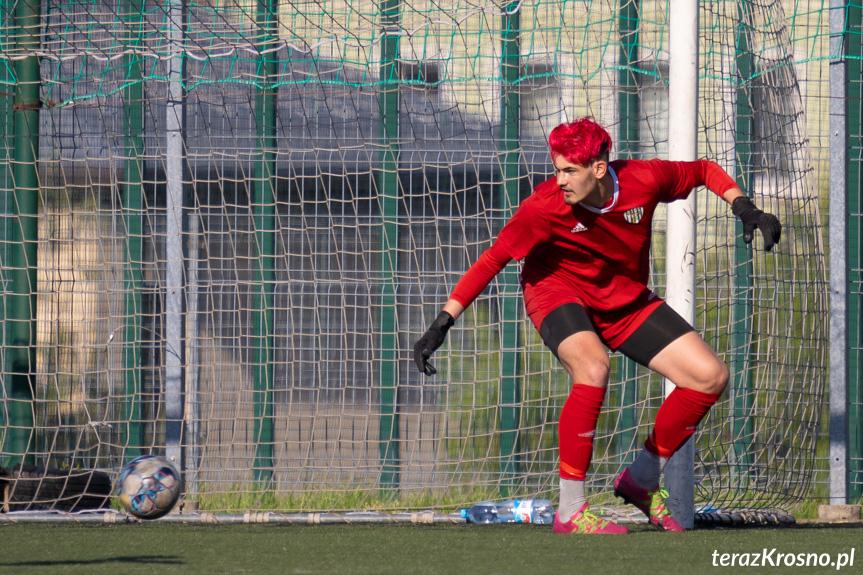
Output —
(678, 416)
(576, 429)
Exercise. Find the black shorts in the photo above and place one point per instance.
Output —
(660, 328)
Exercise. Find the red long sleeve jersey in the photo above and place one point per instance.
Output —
(601, 254)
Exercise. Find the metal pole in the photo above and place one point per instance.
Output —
(838, 237)
(628, 147)
(264, 205)
(629, 132)
(23, 234)
(680, 255)
(854, 86)
(510, 373)
(388, 196)
(7, 200)
(133, 201)
(7, 195)
(175, 124)
(740, 392)
(192, 432)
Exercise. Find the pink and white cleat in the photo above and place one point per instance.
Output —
(585, 522)
(651, 503)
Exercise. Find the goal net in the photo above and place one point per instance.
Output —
(247, 212)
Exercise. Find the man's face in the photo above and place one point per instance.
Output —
(576, 182)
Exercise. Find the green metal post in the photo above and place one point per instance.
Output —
(7, 118)
(510, 330)
(20, 320)
(628, 101)
(7, 203)
(133, 201)
(854, 200)
(628, 147)
(264, 205)
(388, 196)
(741, 387)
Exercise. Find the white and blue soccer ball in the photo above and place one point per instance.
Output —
(149, 486)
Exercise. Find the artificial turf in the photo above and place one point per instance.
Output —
(157, 548)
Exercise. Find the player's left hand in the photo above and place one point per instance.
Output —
(752, 217)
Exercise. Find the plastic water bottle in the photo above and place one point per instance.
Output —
(539, 511)
(482, 512)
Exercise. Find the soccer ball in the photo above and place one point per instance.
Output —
(149, 486)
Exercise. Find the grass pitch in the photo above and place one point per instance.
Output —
(155, 547)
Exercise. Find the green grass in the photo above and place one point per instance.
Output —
(351, 498)
(156, 547)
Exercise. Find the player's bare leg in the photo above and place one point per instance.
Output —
(691, 364)
(700, 377)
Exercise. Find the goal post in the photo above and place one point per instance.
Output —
(681, 245)
(245, 213)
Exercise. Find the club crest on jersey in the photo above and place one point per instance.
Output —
(634, 215)
(579, 227)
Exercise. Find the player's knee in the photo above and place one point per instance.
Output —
(585, 358)
(725, 376)
(714, 378)
(589, 371)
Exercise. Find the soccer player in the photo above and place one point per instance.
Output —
(584, 236)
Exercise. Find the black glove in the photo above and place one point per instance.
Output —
(430, 341)
(752, 218)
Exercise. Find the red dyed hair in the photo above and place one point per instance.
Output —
(581, 142)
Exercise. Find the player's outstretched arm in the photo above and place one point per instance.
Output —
(435, 335)
(752, 218)
(468, 288)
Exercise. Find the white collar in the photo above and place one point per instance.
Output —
(609, 206)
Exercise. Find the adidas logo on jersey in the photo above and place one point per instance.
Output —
(579, 227)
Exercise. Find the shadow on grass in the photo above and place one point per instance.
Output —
(135, 559)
